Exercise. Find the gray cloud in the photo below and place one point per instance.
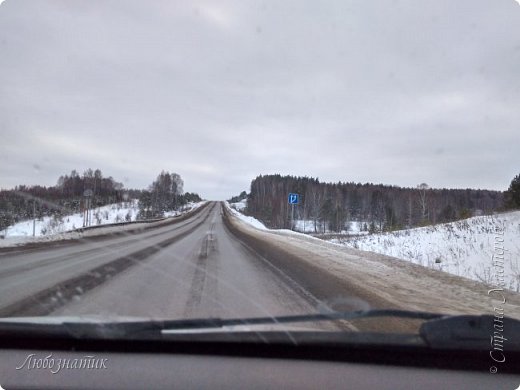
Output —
(399, 92)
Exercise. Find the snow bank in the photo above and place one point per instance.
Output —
(21, 233)
(464, 248)
(109, 214)
(188, 207)
(240, 206)
(311, 226)
(250, 220)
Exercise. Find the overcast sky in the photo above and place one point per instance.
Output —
(393, 92)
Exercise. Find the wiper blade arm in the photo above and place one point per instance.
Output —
(472, 332)
(329, 316)
(437, 330)
(156, 328)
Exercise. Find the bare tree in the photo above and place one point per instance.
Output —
(423, 189)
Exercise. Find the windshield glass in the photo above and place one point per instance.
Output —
(232, 160)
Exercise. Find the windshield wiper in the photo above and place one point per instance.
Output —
(472, 332)
(438, 330)
(215, 323)
(329, 316)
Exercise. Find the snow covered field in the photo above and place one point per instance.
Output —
(52, 229)
(307, 226)
(464, 248)
(112, 213)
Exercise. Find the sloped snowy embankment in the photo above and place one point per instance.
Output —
(52, 229)
(464, 248)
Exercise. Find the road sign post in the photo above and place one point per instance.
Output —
(293, 199)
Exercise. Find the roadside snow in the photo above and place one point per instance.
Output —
(240, 206)
(464, 248)
(311, 226)
(250, 220)
(109, 214)
(71, 235)
(188, 207)
(305, 225)
(21, 233)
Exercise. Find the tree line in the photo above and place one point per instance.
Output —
(68, 196)
(163, 195)
(331, 206)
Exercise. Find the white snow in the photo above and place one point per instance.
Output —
(55, 230)
(307, 226)
(188, 207)
(112, 213)
(240, 206)
(250, 220)
(464, 248)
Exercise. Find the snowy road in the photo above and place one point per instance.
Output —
(206, 274)
(195, 268)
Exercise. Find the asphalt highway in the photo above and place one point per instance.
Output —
(190, 269)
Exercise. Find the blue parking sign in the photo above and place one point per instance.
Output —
(294, 198)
